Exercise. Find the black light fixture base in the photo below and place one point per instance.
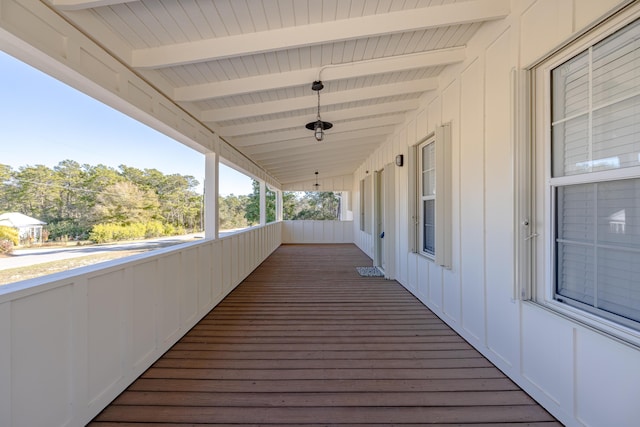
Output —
(319, 123)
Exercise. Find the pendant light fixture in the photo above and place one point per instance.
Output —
(318, 127)
(316, 185)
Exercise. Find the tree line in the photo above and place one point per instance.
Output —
(102, 203)
(73, 198)
(244, 210)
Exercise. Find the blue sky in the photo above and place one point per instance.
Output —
(44, 121)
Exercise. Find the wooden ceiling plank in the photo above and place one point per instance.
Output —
(300, 13)
(228, 17)
(245, 17)
(175, 23)
(132, 24)
(287, 15)
(259, 17)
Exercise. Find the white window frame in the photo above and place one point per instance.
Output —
(367, 199)
(362, 205)
(543, 220)
(441, 139)
(429, 143)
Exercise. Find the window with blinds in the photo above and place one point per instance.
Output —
(428, 197)
(595, 177)
(430, 166)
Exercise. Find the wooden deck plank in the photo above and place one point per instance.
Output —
(328, 386)
(323, 364)
(315, 374)
(270, 399)
(313, 328)
(370, 329)
(305, 340)
(328, 355)
(163, 424)
(337, 415)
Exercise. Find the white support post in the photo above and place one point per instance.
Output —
(211, 173)
(263, 203)
(346, 210)
(279, 205)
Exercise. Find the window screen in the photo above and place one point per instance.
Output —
(596, 128)
(598, 245)
(596, 107)
(428, 197)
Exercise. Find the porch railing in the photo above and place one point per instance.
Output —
(71, 342)
(313, 231)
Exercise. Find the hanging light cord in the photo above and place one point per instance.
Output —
(318, 116)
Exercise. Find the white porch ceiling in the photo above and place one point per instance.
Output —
(244, 68)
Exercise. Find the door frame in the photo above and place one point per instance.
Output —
(384, 195)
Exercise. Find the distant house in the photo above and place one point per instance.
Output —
(29, 229)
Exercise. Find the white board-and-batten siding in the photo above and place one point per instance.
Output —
(583, 377)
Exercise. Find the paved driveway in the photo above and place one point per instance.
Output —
(27, 257)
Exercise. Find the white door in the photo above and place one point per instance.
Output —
(380, 222)
(389, 221)
(385, 226)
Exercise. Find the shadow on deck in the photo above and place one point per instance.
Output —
(305, 340)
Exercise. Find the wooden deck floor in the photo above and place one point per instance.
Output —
(305, 340)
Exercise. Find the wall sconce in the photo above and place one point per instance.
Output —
(399, 160)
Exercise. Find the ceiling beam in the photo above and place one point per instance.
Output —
(375, 135)
(321, 33)
(317, 153)
(288, 170)
(310, 148)
(306, 175)
(301, 132)
(85, 4)
(310, 101)
(327, 73)
(303, 162)
(330, 116)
